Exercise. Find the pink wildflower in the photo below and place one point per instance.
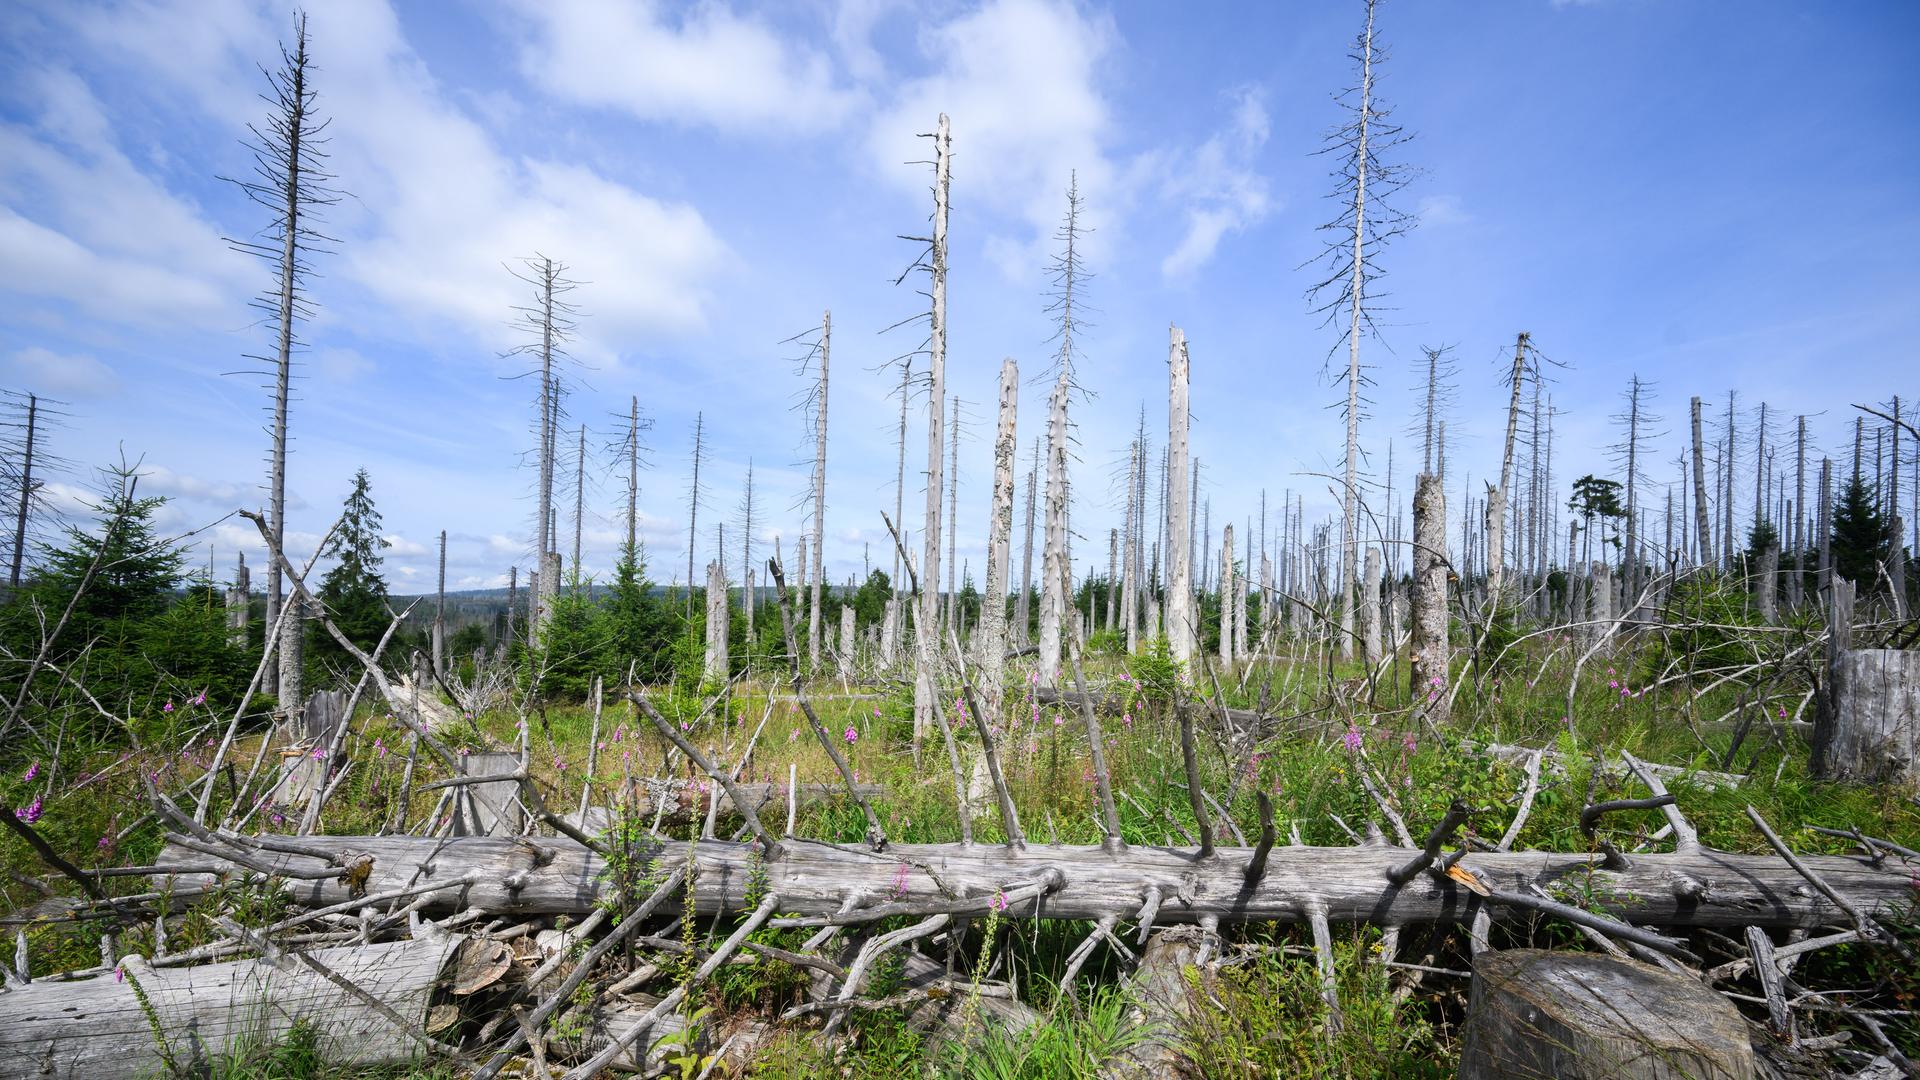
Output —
(379, 748)
(33, 770)
(1353, 739)
(999, 901)
(168, 707)
(1409, 743)
(198, 699)
(851, 735)
(29, 813)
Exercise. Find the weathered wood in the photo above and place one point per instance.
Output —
(97, 1029)
(1181, 622)
(1427, 661)
(553, 876)
(1163, 1000)
(1867, 724)
(489, 809)
(681, 796)
(1587, 1016)
(715, 665)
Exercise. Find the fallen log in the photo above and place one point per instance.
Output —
(1616, 767)
(1698, 887)
(105, 1028)
(676, 800)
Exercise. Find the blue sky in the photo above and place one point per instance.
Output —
(1715, 197)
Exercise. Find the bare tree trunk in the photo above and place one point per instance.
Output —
(579, 500)
(1370, 629)
(716, 667)
(1023, 610)
(1430, 652)
(1497, 497)
(1110, 607)
(952, 606)
(1825, 579)
(1240, 596)
(1130, 585)
(847, 641)
(1054, 574)
(239, 604)
(1703, 531)
(923, 688)
(1797, 544)
(1226, 597)
(819, 493)
(26, 496)
(440, 613)
(1179, 603)
(993, 606)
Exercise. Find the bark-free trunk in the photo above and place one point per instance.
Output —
(1053, 569)
(716, 667)
(819, 493)
(1703, 531)
(1427, 661)
(993, 606)
(558, 876)
(100, 1029)
(1181, 633)
(928, 619)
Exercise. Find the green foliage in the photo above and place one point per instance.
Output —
(1862, 535)
(353, 591)
(1156, 674)
(1706, 614)
(1066, 1045)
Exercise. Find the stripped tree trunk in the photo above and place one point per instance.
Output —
(104, 1028)
(1130, 583)
(716, 667)
(1429, 654)
(993, 606)
(1226, 597)
(1179, 613)
(1497, 497)
(819, 492)
(1703, 531)
(1054, 601)
(847, 640)
(440, 613)
(925, 652)
(1370, 628)
(239, 605)
(1023, 609)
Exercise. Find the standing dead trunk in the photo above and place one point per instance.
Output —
(1181, 636)
(1703, 531)
(27, 488)
(239, 604)
(1497, 497)
(923, 688)
(1053, 568)
(1226, 597)
(1429, 654)
(993, 606)
(819, 492)
(1370, 628)
(1129, 583)
(1244, 571)
(440, 613)
(1825, 578)
(847, 641)
(1867, 722)
(1600, 599)
(715, 667)
(1766, 589)
(1023, 609)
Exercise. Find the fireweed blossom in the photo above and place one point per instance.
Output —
(33, 770)
(29, 813)
(851, 735)
(168, 707)
(1353, 739)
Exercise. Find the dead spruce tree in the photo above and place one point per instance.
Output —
(1703, 531)
(1635, 420)
(747, 520)
(548, 323)
(1181, 619)
(992, 645)
(1496, 518)
(812, 366)
(1023, 608)
(696, 497)
(290, 182)
(1067, 274)
(925, 645)
(24, 467)
(1363, 181)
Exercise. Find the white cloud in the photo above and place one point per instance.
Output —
(81, 222)
(1219, 186)
(160, 480)
(404, 548)
(709, 65)
(340, 365)
(438, 204)
(1441, 210)
(1018, 80)
(52, 374)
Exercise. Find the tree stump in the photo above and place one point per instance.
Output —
(1163, 1000)
(1867, 724)
(309, 733)
(492, 810)
(1534, 1013)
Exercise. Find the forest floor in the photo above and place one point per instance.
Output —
(1326, 726)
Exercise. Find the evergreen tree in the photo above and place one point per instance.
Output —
(1862, 536)
(640, 625)
(353, 591)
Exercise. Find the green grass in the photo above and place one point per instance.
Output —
(1273, 1014)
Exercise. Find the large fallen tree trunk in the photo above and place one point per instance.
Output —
(109, 1027)
(1695, 887)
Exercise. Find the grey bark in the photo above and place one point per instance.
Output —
(1497, 497)
(1179, 587)
(1370, 615)
(993, 606)
(1428, 602)
(1703, 532)
(819, 493)
(928, 619)
(239, 604)
(1532, 1013)
(715, 667)
(1053, 570)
